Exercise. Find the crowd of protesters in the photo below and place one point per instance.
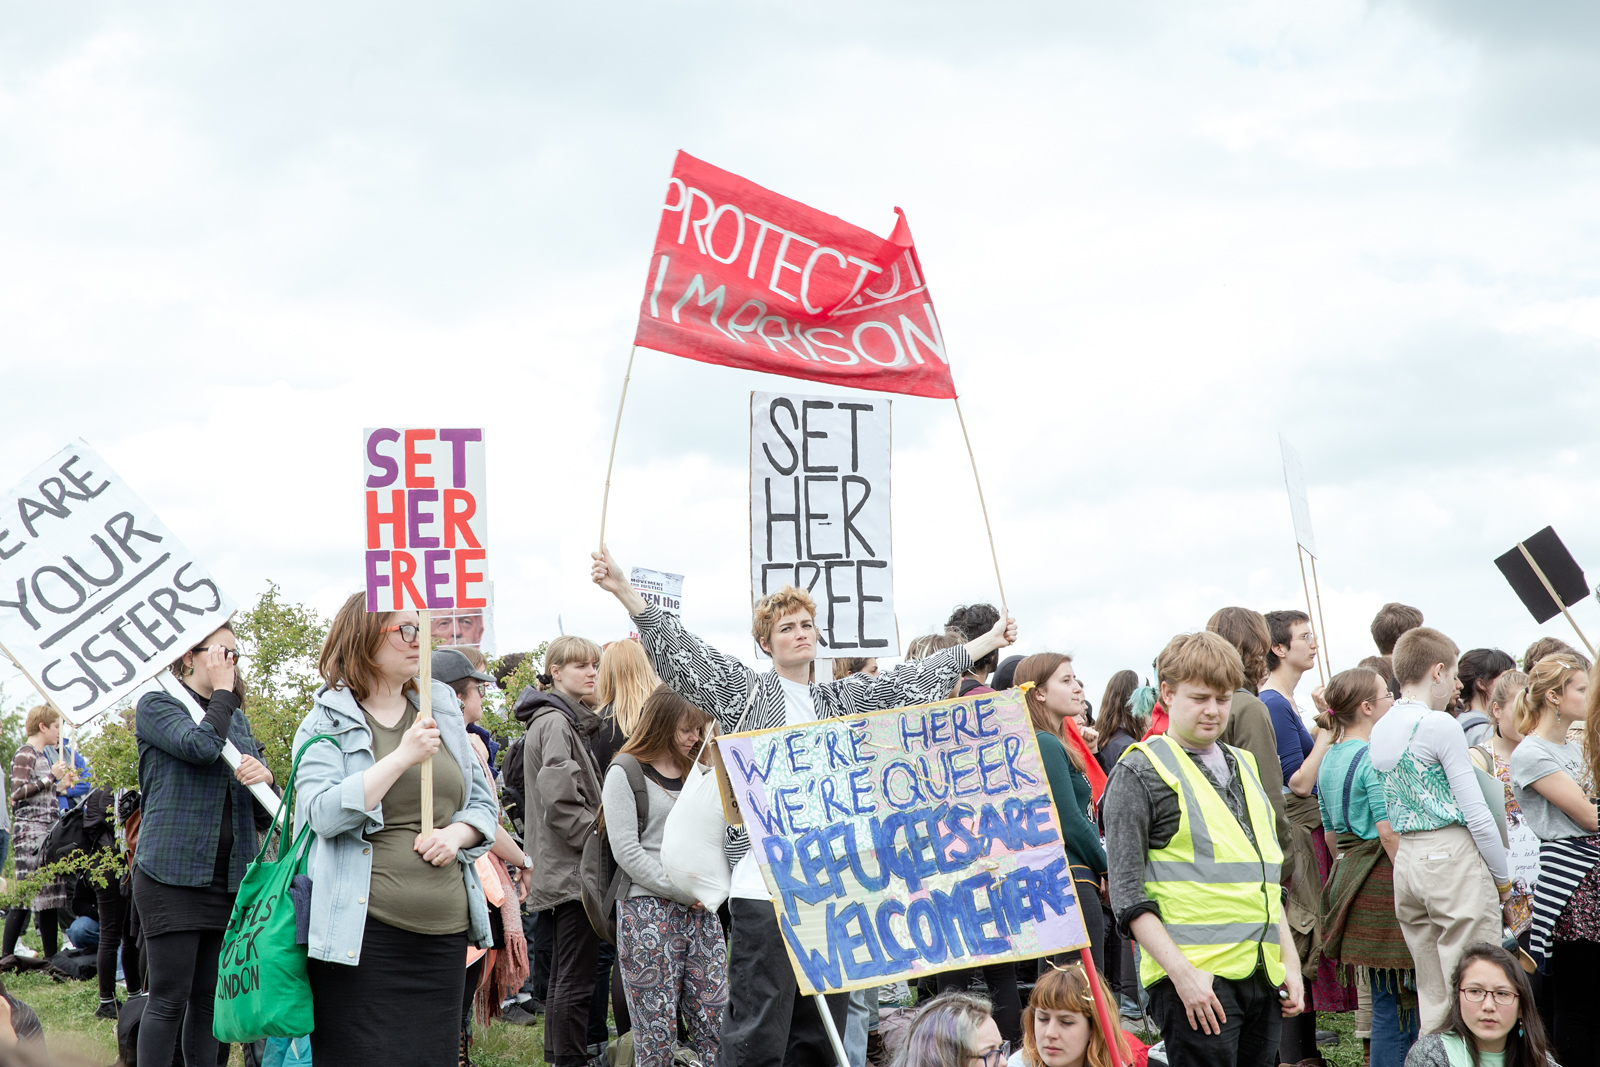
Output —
(1419, 845)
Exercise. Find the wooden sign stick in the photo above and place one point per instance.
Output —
(1301, 553)
(605, 499)
(833, 1031)
(984, 508)
(1322, 627)
(425, 711)
(1552, 591)
(1109, 1025)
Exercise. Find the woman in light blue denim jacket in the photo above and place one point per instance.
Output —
(391, 914)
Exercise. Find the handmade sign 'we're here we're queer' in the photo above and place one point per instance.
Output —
(908, 841)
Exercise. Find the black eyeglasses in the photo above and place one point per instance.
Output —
(1476, 995)
(995, 1057)
(408, 631)
(229, 654)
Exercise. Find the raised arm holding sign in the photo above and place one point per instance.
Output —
(762, 986)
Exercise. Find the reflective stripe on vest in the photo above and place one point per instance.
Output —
(1218, 892)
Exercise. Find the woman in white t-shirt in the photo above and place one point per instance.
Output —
(1550, 775)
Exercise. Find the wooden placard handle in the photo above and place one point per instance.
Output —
(425, 711)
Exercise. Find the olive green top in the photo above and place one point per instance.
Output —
(407, 891)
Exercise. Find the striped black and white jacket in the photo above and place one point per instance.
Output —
(723, 687)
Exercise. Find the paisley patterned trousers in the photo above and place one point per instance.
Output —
(672, 958)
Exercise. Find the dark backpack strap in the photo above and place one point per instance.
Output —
(641, 798)
(1350, 780)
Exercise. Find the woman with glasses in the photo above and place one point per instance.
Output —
(954, 1030)
(1492, 1022)
(392, 910)
(197, 834)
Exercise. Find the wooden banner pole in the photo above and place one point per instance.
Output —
(425, 711)
(1322, 627)
(983, 507)
(833, 1031)
(1109, 1026)
(605, 500)
(1301, 554)
(1552, 591)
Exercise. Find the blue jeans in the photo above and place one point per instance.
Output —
(84, 932)
(1391, 1039)
(5, 847)
(863, 1008)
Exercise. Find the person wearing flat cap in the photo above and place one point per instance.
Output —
(503, 871)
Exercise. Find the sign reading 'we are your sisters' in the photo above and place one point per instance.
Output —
(819, 513)
(427, 519)
(96, 595)
(906, 841)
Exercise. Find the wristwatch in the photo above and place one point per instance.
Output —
(527, 862)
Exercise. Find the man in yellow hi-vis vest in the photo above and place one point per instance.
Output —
(1194, 871)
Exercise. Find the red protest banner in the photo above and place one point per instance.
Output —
(746, 278)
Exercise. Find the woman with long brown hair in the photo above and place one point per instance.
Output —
(669, 946)
(1118, 726)
(1054, 698)
(1492, 1018)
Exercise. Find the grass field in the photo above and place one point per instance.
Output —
(67, 1011)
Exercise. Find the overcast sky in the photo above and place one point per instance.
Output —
(1158, 235)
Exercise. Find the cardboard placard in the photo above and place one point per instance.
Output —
(908, 841)
(1294, 479)
(97, 596)
(819, 514)
(427, 519)
(1558, 566)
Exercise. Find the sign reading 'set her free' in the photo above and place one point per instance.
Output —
(96, 594)
(427, 519)
(819, 513)
(904, 842)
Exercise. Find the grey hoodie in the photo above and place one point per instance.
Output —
(561, 790)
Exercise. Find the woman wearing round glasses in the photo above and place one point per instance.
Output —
(197, 834)
(392, 911)
(954, 1030)
(1492, 1022)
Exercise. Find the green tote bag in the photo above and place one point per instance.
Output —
(262, 989)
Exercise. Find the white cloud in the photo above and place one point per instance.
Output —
(1157, 235)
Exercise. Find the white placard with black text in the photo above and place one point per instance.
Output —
(96, 594)
(819, 513)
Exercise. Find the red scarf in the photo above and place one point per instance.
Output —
(1158, 722)
(1091, 766)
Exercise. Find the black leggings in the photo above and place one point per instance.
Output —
(116, 931)
(183, 972)
(1577, 1036)
(17, 921)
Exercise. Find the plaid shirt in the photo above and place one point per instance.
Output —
(182, 777)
